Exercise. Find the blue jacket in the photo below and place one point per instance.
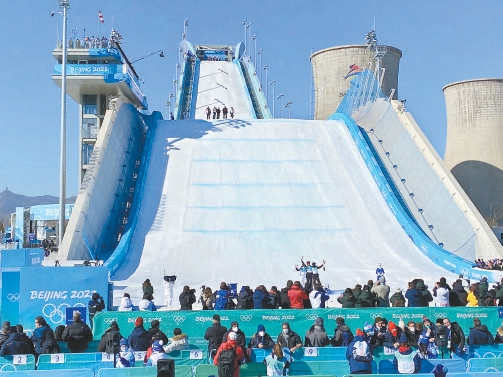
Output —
(480, 335)
(221, 299)
(39, 336)
(261, 300)
(139, 340)
(413, 297)
(354, 365)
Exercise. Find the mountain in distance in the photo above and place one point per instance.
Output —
(9, 201)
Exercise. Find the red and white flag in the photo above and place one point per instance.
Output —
(100, 15)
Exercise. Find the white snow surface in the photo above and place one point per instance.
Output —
(241, 201)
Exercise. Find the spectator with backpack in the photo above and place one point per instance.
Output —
(342, 334)
(367, 299)
(358, 354)
(110, 339)
(139, 339)
(479, 334)
(229, 357)
(40, 334)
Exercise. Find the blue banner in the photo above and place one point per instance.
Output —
(49, 291)
(10, 296)
(49, 212)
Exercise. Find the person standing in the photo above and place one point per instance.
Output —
(208, 113)
(229, 357)
(316, 336)
(77, 334)
(276, 363)
(214, 335)
(95, 305)
(289, 339)
(41, 333)
(297, 295)
(382, 292)
(187, 298)
(147, 287)
(139, 339)
(224, 112)
(479, 334)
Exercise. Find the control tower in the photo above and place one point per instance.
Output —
(97, 71)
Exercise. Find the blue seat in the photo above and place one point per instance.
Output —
(180, 371)
(17, 362)
(485, 365)
(49, 373)
(94, 361)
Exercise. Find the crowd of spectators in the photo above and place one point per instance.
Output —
(491, 264)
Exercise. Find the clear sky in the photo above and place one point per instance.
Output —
(441, 41)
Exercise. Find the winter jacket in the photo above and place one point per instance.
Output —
(156, 333)
(364, 366)
(472, 299)
(342, 336)
(297, 295)
(109, 334)
(214, 336)
(265, 340)
(139, 340)
(16, 345)
(178, 342)
(126, 305)
(407, 361)
(290, 340)
(146, 305)
(318, 299)
(397, 300)
(240, 341)
(222, 297)
(261, 300)
(457, 296)
(240, 355)
(480, 335)
(77, 335)
(382, 292)
(366, 299)
(285, 300)
(186, 300)
(40, 334)
(316, 336)
(347, 300)
(442, 297)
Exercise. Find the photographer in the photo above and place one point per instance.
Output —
(95, 305)
(187, 298)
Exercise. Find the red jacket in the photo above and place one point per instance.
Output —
(240, 355)
(297, 295)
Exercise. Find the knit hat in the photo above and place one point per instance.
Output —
(318, 321)
(392, 328)
(157, 346)
(399, 290)
(359, 332)
(440, 370)
(124, 342)
(138, 322)
(339, 320)
(260, 328)
(234, 323)
(232, 335)
(403, 348)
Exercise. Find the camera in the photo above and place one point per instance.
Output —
(170, 278)
(192, 291)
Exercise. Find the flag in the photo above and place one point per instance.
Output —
(100, 15)
(354, 70)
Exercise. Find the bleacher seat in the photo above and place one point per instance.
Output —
(49, 373)
(93, 360)
(494, 350)
(180, 371)
(486, 364)
(320, 368)
(17, 362)
(455, 365)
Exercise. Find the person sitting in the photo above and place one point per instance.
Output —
(77, 334)
(342, 334)
(358, 354)
(147, 304)
(126, 304)
(157, 354)
(261, 339)
(155, 331)
(125, 357)
(316, 336)
(111, 335)
(289, 339)
(179, 341)
(479, 334)
(15, 344)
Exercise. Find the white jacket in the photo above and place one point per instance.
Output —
(178, 342)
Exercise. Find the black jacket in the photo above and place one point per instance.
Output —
(186, 300)
(77, 335)
(16, 345)
(139, 340)
(214, 336)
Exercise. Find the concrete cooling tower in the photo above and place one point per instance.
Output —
(331, 65)
(473, 150)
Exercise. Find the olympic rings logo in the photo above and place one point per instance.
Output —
(178, 319)
(13, 297)
(440, 315)
(311, 317)
(109, 321)
(375, 315)
(57, 314)
(246, 318)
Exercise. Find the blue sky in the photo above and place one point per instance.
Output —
(441, 41)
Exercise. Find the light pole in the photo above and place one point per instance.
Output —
(279, 100)
(64, 5)
(266, 67)
(254, 39)
(185, 26)
(246, 25)
(273, 82)
(259, 52)
(288, 106)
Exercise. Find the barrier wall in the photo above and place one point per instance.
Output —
(195, 323)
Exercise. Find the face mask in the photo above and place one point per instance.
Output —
(261, 333)
(235, 329)
(285, 331)
(123, 348)
(412, 329)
